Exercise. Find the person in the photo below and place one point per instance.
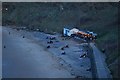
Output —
(63, 52)
(103, 50)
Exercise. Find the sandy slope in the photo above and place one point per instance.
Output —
(23, 58)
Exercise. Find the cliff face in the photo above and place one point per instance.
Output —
(101, 18)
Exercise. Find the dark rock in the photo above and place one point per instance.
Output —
(52, 38)
(70, 65)
(57, 41)
(50, 42)
(62, 48)
(81, 65)
(4, 46)
(18, 29)
(66, 46)
(46, 37)
(48, 46)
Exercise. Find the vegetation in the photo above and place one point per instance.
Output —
(101, 18)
